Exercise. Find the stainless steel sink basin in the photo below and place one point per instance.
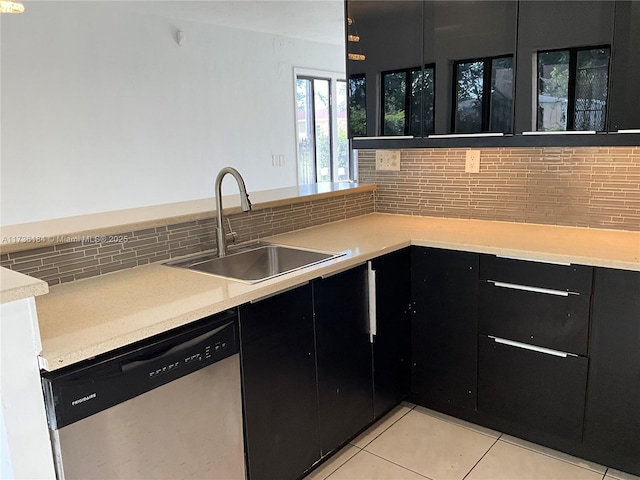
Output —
(255, 264)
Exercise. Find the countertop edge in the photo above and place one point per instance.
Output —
(16, 286)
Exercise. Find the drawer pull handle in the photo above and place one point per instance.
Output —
(533, 348)
(551, 262)
(527, 288)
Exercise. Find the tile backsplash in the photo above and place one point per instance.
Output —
(596, 187)
(92, 256)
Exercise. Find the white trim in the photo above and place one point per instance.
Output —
(332, 77)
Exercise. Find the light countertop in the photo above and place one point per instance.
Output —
(89, 317)
(17, 286)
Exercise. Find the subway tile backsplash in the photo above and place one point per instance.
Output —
(89, 257)
(596, 187)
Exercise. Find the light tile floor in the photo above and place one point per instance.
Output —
(415, 443)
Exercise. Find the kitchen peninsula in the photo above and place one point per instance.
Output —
(84, 319)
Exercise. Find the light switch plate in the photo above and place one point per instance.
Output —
(472, 164)
(388, 160)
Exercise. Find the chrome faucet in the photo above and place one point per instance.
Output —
(245, 205)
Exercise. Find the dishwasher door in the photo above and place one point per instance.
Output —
(189, 427)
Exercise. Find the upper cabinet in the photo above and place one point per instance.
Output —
(564, 51)
(624, 106)
(469, 49)
(384, 59)
(505, 72)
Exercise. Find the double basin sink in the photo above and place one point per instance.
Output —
(255, 264)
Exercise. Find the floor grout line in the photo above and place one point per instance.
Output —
(484, 455)
(501, 438)
(397, 464)
(374, 426)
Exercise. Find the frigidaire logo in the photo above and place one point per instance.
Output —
(84, 399)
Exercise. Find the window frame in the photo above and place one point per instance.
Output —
(333, 78)
(487, 69)
(571, 87)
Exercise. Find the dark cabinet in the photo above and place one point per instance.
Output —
(444, 290)
(279, 385)
(343, 356)
(392, 342)
(471, 46)
(573, 95)
(440, 68)
(539, 390)
(551, 320)
(541, 304)
(625, 67)
(612, 420)
(534, 324)
(420, 68)
(389, 45)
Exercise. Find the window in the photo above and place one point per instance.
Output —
(408, 101)
(483, 100)
(357, 105)
(323, 149)
(572, 89)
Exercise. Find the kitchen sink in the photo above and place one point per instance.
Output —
(255, 264)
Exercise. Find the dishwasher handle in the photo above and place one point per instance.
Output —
(165, 353)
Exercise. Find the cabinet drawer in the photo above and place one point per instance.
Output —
(568, 278)
(538, 390)
(556, 320)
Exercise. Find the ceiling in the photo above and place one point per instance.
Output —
(314, 20)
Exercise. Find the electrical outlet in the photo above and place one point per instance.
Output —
(388, 160)
(472, 164)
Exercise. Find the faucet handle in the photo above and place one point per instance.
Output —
(231, 233)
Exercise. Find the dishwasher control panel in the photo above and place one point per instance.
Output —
(208, 353)
(77, 392)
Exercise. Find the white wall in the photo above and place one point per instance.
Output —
(102, 110)
(28, 452)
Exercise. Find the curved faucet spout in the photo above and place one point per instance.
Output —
(245, 205)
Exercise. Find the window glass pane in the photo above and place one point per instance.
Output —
(306, 138)
(322, 129)
(553, 90)
(342, 160)
(428, 99)
(501, 95)
(394, 98)
(357, 106)
(469, 77)
(592, 77)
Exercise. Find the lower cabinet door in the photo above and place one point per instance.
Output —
(345, 387)
(530, 388)
(612, 420)
(392, 343)
(279, 385)
(444, 334)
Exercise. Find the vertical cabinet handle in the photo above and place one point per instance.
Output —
(371, 280)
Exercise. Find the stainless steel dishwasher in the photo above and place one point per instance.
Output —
(167, 408)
